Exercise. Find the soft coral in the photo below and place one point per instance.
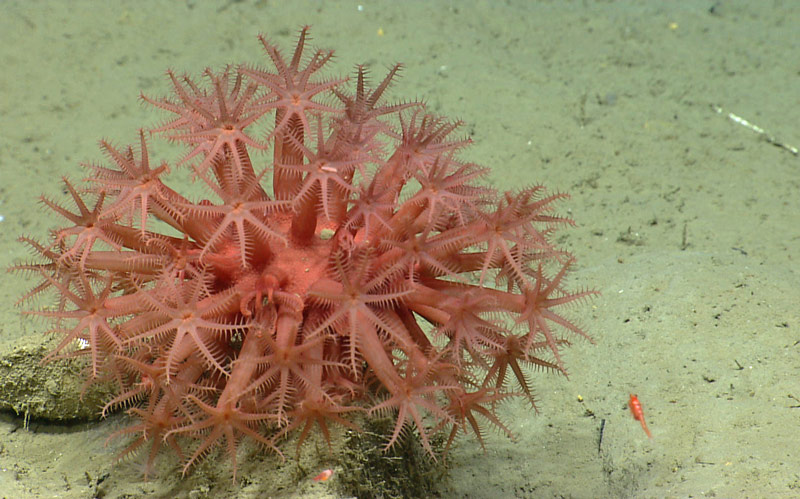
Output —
(377, 275)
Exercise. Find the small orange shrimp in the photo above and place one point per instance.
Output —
(323, 476)
(638, 414)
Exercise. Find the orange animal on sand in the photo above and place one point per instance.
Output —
(323, 476)
(638, 414)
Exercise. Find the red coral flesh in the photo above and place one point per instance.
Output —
(375, 277)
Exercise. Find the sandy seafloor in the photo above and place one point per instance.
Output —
(687, 221)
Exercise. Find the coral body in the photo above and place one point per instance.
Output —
(376, 274)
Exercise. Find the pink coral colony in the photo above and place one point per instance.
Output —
(376, 275)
